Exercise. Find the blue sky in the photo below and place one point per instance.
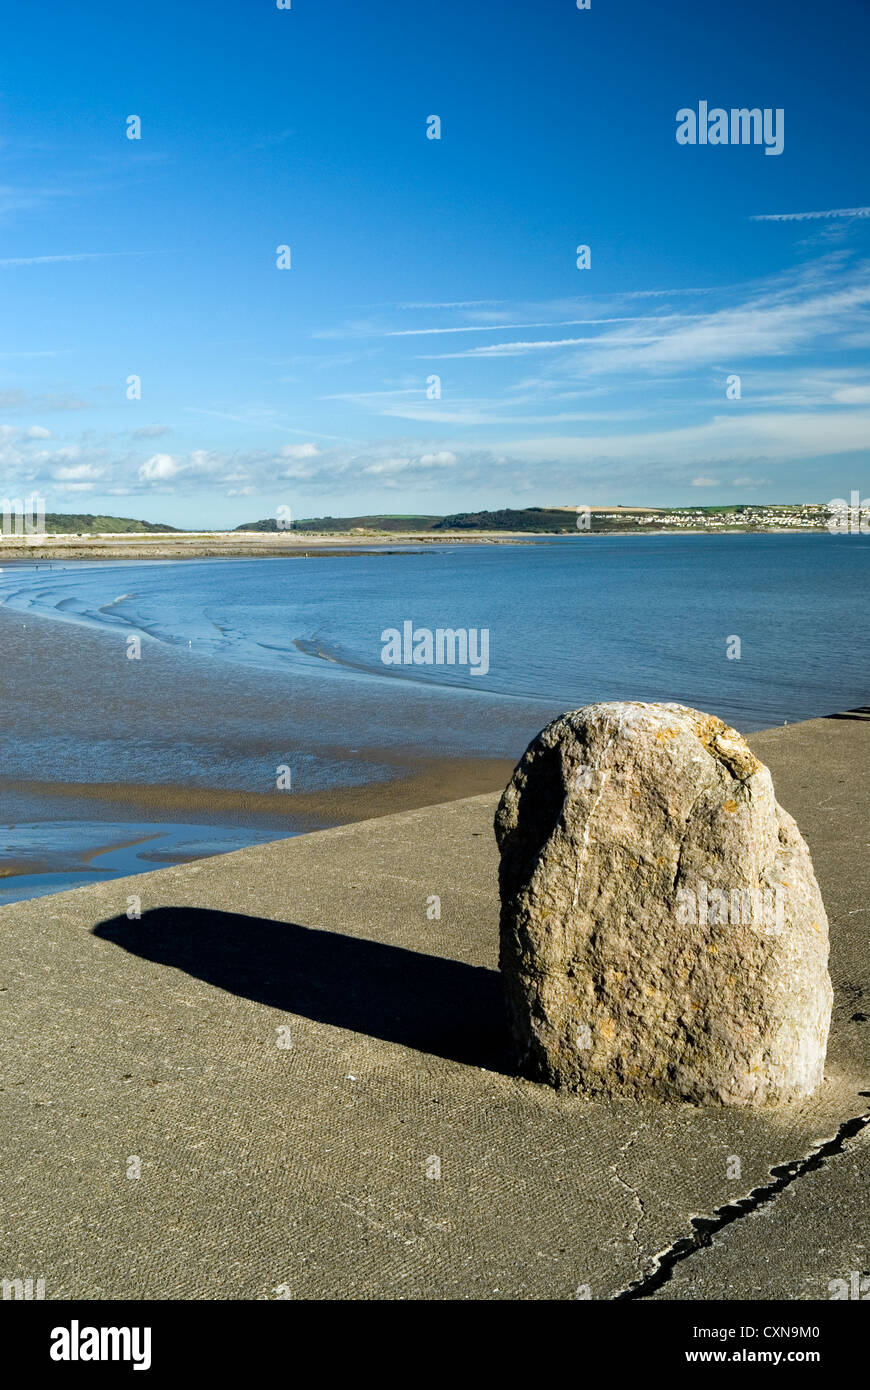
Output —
(414, 257)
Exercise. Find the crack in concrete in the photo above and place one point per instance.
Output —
(706, 1228)
(635, 1194)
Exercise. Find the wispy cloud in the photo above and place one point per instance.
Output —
(726, 439)
(10, 262)
(520, 349)
(48, 352)
(809, 216)
(506, 327)
(817, 307)
(638, 400)
(21, 400)
(449, 304)
(261, 419)
(151, 431)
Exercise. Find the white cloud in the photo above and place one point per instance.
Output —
(443, 459)
(77, 472)
(158, 468)
(151, 431)
(705, 482)
(300, 451)
(38, 432)
(298, 471)
(387, 466)
(853, 395)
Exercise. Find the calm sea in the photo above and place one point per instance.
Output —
(568, 621)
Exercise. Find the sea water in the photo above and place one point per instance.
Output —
(758, 629)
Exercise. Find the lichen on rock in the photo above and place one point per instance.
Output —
(662, 931)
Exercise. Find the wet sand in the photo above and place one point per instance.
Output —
(417, 783)
(94, 740)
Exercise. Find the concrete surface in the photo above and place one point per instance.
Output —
(812, 1241)
(300, 1170)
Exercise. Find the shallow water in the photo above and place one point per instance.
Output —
(246, 665)
(570, 620)
(52, 856)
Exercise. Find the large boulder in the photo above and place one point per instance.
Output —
(662, 931)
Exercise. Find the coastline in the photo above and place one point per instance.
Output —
(232, 545)
(288, 545)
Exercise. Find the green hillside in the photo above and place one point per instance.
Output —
(510, 519)
(381, 522)
(529, 519)
(77, 524)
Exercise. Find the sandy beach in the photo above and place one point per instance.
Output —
(200, 545)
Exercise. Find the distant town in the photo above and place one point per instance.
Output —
(790, 516)
(809, 516)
